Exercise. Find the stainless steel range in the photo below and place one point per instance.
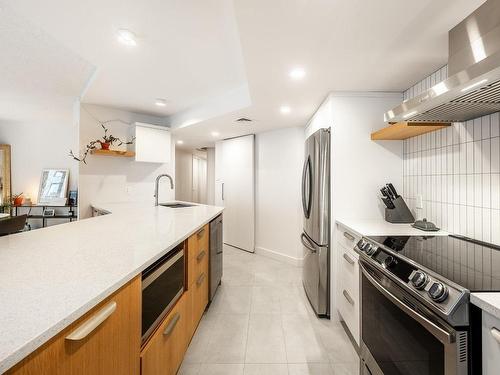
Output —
(416, 317)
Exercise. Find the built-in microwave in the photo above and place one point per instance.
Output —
(162, 286)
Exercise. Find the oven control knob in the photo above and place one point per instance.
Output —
(361, 243)
(367, 248)
(438, 292)
(372, 250)
(419, 280)
(389, 261)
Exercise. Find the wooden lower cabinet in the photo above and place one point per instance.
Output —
(199, 292)
(111, 348)
(165, 350)
(114, 345)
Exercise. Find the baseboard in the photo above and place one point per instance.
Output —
(278, 256)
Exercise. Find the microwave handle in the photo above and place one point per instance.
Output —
(439, 333)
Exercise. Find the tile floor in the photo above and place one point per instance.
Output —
(260, 323)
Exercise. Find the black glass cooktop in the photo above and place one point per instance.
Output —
(473, 265)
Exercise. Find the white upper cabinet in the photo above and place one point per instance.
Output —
(152, 143)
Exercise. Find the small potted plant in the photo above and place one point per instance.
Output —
(105, 142)
(17, 199)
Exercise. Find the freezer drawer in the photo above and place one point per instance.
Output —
(315, 277)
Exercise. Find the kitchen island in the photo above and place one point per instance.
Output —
(51, 277)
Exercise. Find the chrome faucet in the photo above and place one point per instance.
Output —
(158, 183)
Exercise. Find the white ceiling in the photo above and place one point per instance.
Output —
(217, 60)
(37, 73)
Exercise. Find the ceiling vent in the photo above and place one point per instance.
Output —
(244, 120)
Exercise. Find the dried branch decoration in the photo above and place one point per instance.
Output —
(106, 139)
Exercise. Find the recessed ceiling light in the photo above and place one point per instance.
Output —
(179, 142)
(297, 74)
(126, 37)
(161, 102)
(215, 134)
(285, 109)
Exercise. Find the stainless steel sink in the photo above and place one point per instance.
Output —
(176, 205)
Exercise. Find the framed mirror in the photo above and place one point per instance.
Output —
(53, 187)
(5, 178)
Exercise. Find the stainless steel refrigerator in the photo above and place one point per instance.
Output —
(316, 232)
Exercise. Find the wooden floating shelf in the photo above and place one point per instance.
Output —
(405, 130)
(125, 154)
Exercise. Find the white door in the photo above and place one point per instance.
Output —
(235, 184)
(199, 180)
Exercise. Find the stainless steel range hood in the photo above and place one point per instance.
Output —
(473, 86)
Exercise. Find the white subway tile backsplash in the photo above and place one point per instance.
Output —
(477, 189)
(457, 171)
(469, 131)
(486, 225)
(477, 129)
(469, 190)
(495, 125)
(477, 157)
(467, 157)
(486, 190)
(486, 155)
(495, 224)
(495, 191)
(495, 155)
(485, 127)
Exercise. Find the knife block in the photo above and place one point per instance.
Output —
(400, 213)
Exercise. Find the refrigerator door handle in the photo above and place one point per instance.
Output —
(307, 178)
(305, 241)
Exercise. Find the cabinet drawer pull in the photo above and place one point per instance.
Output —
(496, 334)
(201, 255)
(349, 236)
(200, 233)
(171, 325)
(348, 258)
(91, 324)
(200, 279)
(348, 297)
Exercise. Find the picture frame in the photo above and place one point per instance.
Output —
(5, 175)
(53, 188)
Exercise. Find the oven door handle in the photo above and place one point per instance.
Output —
(439, 333)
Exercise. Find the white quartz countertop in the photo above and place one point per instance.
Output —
(50, 277)
(487, 301)
(380, 227)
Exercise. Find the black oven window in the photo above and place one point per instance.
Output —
(400, 345)
(157, 296)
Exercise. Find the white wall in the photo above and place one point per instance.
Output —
(118, 179)
(279, 159)
(38, 144)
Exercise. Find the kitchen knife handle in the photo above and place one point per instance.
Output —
(392, 189)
